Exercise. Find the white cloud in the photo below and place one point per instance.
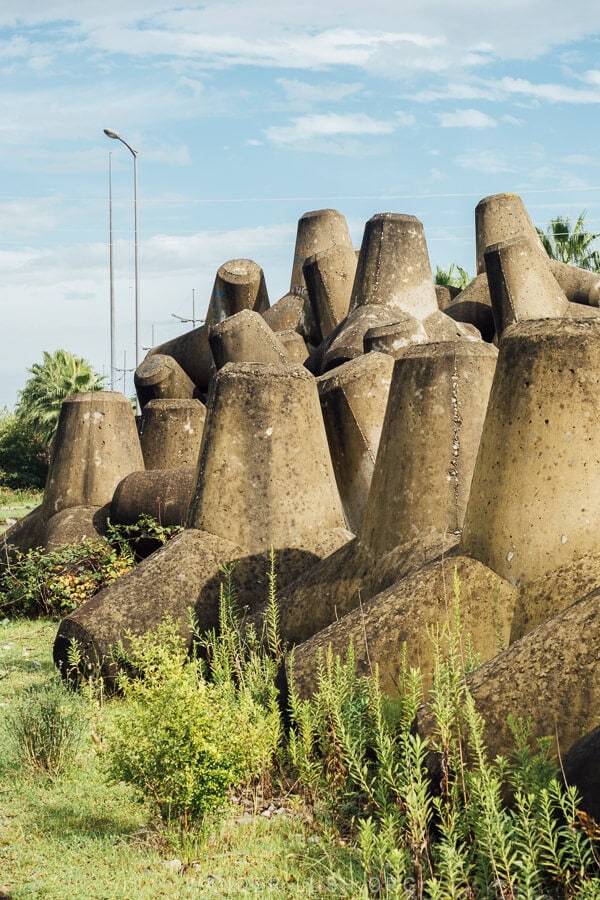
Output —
(580, 159)
(486, 161)
(554, 93)
(466, 118)
(304, 95)
(327, 125)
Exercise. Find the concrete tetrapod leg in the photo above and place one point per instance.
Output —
(96, 445)
(353, 399)
(535, 496)
(239, 284)
(265, 477)
(521, 283)
(329, 277)
(264, 480)
(393, 267)
(405, 614)
(164, 494)
(171, 432)
(551, 675)
(429, 443)
(318, 230)
(245, 337)
(500, 217)
(393, 277)
(160, 377)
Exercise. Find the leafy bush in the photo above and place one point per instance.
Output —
(182, 741)
(23, 457)
(46, 727)
(54, 583)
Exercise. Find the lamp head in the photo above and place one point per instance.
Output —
(112, 134)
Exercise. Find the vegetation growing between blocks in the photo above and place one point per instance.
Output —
(393, 813)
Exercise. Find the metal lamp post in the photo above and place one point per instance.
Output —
(117, 137)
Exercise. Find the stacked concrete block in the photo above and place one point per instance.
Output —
(259, 485)
(419, 452)
(353, 398)
(239, 284)
(329, 277)
(245, 337)
(96, 445)
(393, 279)
(171, 432)
(160, 377)
(318, 230)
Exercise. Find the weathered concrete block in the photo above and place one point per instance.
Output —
(429, 443)
(329, 277)
(245, 337)
(171, 432)
(96, 445)
(353, 399)
(405, 613)
(164, 494)
(521, 283)
(536, 449)
(265, 476)
(160, 377)
(239, 284)
(551, 675)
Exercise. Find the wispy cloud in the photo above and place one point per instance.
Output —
(304, 95)
(306, 128)
(487, 161)
(466, 118)
(554, 93)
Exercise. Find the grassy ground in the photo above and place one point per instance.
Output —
(16, 504)
(78, 837)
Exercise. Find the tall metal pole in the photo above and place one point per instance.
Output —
(137, 259)
(117, 137)
(113, 360)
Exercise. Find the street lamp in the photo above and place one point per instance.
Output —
(117, 137)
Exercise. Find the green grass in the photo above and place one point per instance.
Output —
(14, 504)
(76, 836)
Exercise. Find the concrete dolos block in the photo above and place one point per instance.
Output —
(265, 476)
(164, 494)
(171, 432)
(96, 445)
(538, 449)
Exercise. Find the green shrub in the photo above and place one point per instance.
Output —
(45, 727)
(23, 457)
(40, 583)
(54, 583)
(182, 741)
(435, 817)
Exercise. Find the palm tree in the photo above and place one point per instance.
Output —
(570, 245)
(452, 277)
(52, 380)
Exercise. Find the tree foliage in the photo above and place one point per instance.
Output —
(23, 458)
(60, 374)
(454, 276)
(569, 243)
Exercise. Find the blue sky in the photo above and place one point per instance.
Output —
(245, 115)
